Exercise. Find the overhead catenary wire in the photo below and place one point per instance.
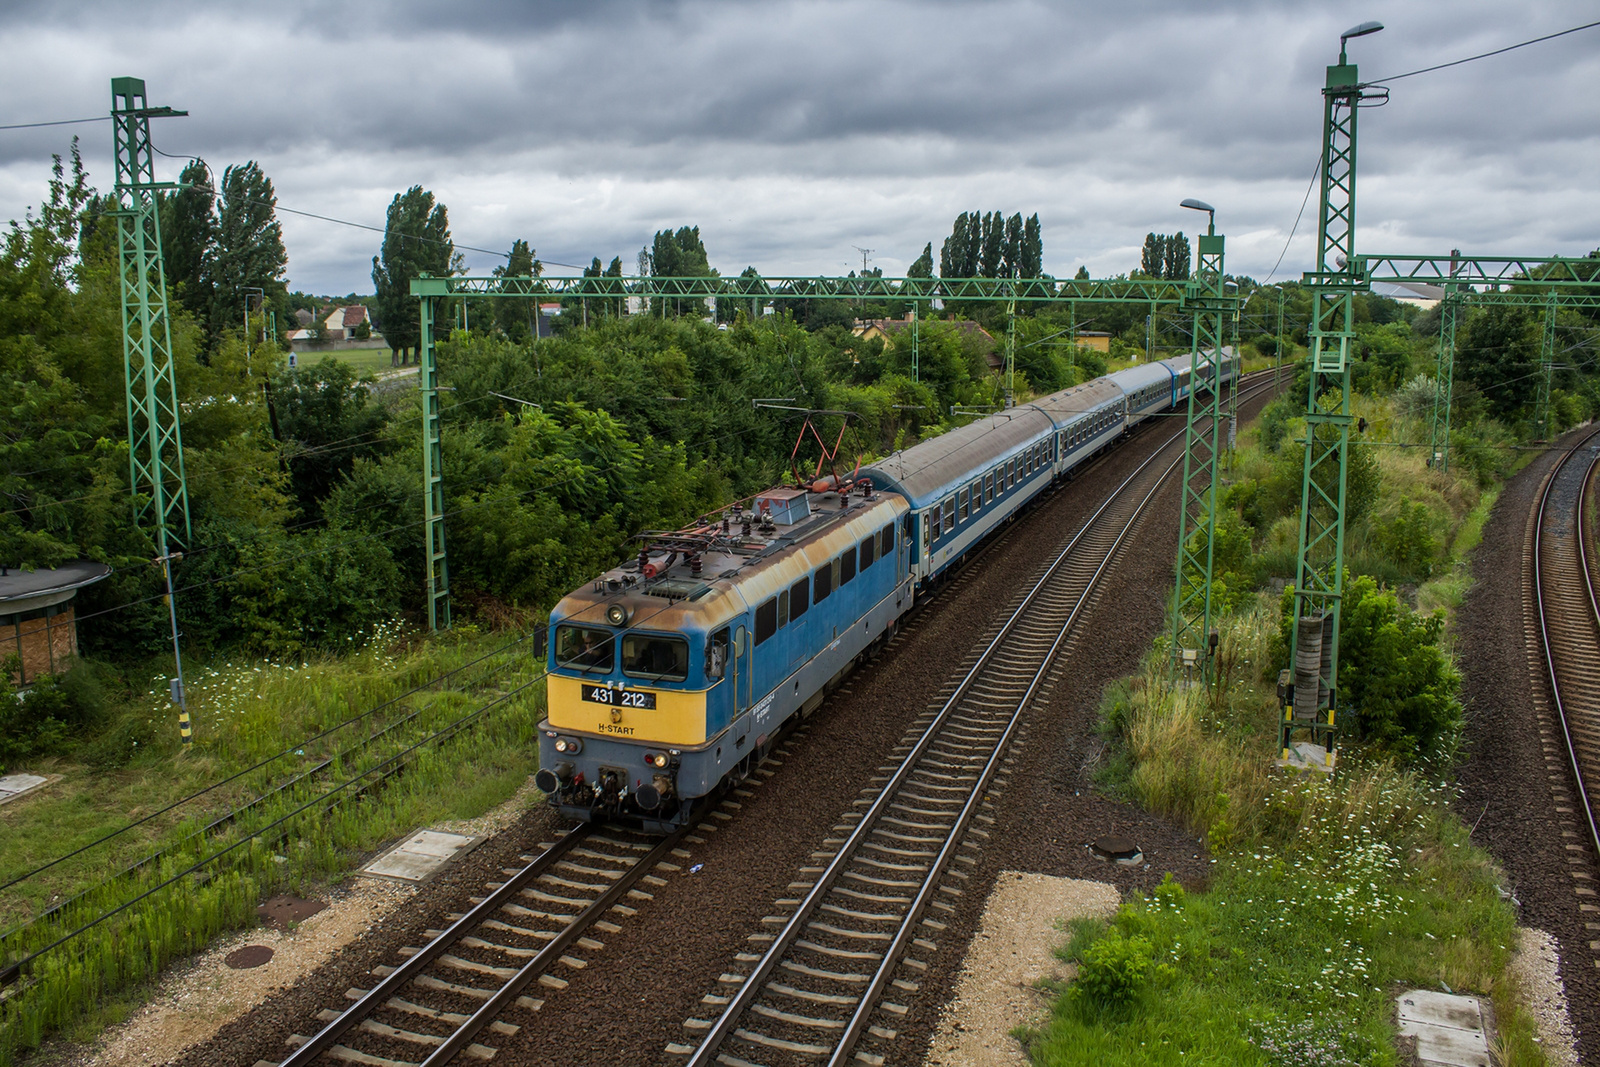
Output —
(1482, 55)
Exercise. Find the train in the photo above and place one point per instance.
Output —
(670, 676)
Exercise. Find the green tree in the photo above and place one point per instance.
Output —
(958, 257)
(188, 237)
(1499, 353)
(992, 246)
(249, 251)
(1153, 260)
(680, 255)
(327, 421)
(922, 266)
(515, 317)
(416, 239)
(1031, 261)
(1393, 676)
(1175, 265)
(1011, 250)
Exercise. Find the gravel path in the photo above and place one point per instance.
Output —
(1505, 786)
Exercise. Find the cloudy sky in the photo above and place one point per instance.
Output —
(792, 132)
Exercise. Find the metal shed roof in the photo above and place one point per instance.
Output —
(1068, 404)
(18, 584)
(925, 472)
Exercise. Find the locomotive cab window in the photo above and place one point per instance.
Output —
(717, 654)
(585, 648)
(869, 554)
(846, 565)
(655, 656)
(886, 537)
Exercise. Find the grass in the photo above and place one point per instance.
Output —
(1327, 896)
(364, 360)
(243, 713)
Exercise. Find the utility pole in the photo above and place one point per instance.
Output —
(1319, 571)
(436, 561)
(1547, 366)
(155, 442)
(1445, 368)
(1192, 642)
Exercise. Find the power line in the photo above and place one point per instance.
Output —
(1484, 55)
(1303, 202)
(58, 122)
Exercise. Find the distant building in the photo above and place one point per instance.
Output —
(303, 318)
(36, 621)
(888, 328)
(1417, 294)
(1094, 339)
(341, 322)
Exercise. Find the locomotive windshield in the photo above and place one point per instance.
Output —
(654, 656)
(585, 648)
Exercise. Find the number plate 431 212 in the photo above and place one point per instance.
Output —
(617, 698)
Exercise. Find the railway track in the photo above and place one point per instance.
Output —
(455, 988)
(1564, 579)
(844, 953)
(469, 979)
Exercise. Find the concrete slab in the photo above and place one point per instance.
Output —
(420, 856)
(14, 785)
(1450, 1029)
(1307, 756)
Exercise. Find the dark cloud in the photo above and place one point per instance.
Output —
(790, 131)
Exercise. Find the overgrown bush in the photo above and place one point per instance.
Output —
(1114, 970)
(52, 714)
(1394, 678)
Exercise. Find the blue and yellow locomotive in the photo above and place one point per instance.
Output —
(671, 674)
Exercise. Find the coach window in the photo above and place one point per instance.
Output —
(988, 487)
(932, 527)
(962, 508)
(1011, 475)
(846, 565)
(977, 496)
(655, 656)
(949, 514)
(869, 552)
(824, 583)
(717, 654)
(799, 598)
(585, 648)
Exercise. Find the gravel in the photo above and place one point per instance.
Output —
(1504, 779)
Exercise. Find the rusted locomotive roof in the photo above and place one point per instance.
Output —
(737, 570)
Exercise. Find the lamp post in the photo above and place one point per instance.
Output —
(1197, 518)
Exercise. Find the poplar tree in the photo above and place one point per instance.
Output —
(249, 251)
(416, 238)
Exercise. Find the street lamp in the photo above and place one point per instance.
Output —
(1200, 205)
(1356, 31)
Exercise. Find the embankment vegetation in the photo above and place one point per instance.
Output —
(1328, 894)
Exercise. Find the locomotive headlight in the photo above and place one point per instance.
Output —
(616, 615)
(568, 746)
(657, 760)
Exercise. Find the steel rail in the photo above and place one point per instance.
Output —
(709, 1047)
(891, 956)
(1544, 623)
(547, 956)
(402, 975)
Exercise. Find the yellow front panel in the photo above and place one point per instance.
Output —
(679, 717)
